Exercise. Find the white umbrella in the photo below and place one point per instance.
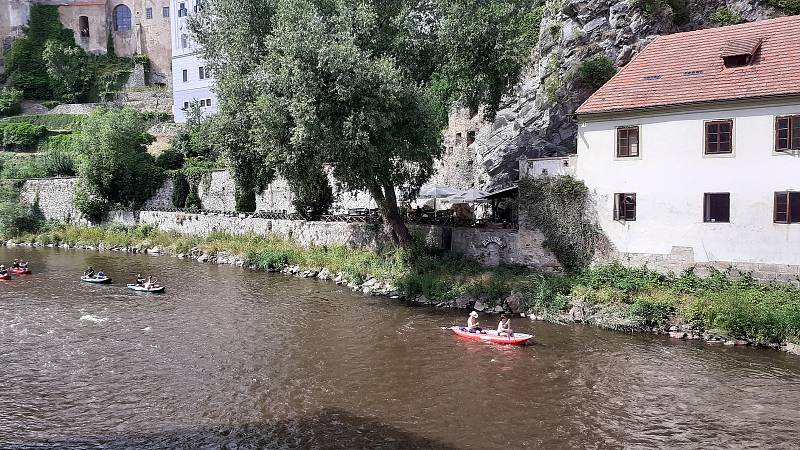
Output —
(436, 191)
(469, 196)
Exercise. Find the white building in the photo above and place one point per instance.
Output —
(692, 151)
(191, 78)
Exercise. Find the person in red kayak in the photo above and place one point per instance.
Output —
(504, 327)
(15, 264)
(3, 270)
(473, 324)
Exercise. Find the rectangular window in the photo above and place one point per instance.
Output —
(183, 41)
(185, 76)
(787, 207)
(165, 11)
(625, 207)
(717, 207)
(148, 12)
(185, 105)
(208, 102)
(627, 142)
(182, 10)
(719, 137)
(202, 73)
(787, 133)
(202, 103)
(208, 72)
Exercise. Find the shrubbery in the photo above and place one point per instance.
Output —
(21, 135)
(114, 166)
(791, 6)
(10, 101)
(15, 217)
(724, 16)
(47, 64)
(597, 71)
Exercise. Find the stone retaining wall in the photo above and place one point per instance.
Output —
(55, 197)
(682, 258)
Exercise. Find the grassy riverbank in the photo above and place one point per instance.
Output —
(611, 296)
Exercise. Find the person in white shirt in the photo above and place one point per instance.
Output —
(504, 327)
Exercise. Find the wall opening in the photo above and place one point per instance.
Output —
(83, 26)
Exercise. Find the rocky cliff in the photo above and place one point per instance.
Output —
(537, 120)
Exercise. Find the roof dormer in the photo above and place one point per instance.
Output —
(740, 52)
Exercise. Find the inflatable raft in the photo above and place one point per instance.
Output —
(20, 271)
(138, 288)
(491, 336)
(96, 280)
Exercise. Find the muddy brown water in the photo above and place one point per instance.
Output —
(229, 358)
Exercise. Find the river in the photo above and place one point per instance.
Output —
(230, 358)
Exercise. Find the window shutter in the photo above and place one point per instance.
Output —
(781, 207)
(616, 206)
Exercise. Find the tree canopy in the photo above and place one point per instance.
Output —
(114, 166)
(355, 88)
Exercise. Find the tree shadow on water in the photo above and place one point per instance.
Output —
(330, 429)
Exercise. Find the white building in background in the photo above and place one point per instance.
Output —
(191, 78)
(691, 150)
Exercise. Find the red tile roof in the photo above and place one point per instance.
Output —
(686, 68)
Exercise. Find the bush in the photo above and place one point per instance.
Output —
(653, 309)
(10, 101)
(170, 159)
(20, 167)
(15, 217)
(180, 190)
(21, 135)
(90, 205)
(59, 164)
(64, 143)
(791, 6)
(68, 70)
(724, 16)
(597, 71)
(53, 122)
(114, 164)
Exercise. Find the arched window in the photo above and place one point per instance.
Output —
(122, 18)
(83, 26)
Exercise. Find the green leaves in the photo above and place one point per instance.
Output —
(10, 101)
(115, 164)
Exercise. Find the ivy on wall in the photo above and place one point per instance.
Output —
(560, 207)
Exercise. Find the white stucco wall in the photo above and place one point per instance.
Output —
(672, 174)
(187, 58)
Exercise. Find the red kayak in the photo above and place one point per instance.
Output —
(5, 277)
(491, 336)
(20, 271)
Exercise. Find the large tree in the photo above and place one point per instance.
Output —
(356, 87)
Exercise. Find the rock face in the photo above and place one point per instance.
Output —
(537, 120)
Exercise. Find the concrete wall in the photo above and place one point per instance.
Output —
(671, 176)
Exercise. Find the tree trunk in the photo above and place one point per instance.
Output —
(394, 225)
